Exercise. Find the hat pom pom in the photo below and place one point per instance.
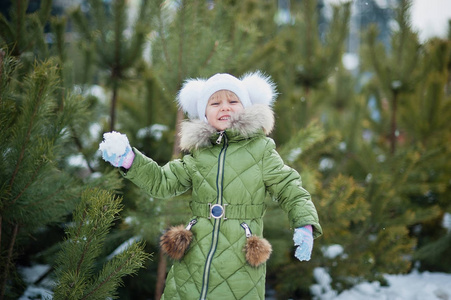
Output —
(261, 88)
(189, 95)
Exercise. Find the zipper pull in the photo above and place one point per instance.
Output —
(246, 229)
(221, 134)
(191, 224)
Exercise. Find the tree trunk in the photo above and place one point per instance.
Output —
(113, 106)
(2, 56)
(4, 276)
(161, 275)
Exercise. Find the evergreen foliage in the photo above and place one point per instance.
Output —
(23, 34)
(372, 149)
(318, 57)
(398, 71)
(387, 203)
(430, 106)
(409, 83)
(77, 276)
(104, 36)
(37, 119)
(304, 61)
(34, 191)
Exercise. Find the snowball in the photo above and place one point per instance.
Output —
(114, 143)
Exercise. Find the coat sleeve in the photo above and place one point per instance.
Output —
(165, 181)
(285, 186)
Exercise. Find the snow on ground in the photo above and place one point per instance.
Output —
(32, 274)
(413, 286)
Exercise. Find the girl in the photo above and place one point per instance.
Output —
(230, 168)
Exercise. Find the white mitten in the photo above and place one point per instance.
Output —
(303, 238)
(116, 149)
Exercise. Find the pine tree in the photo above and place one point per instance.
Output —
(372, 211)
(23, 34)
(397, 70)
(412, 80)
(34, 192)
(104, 34)
(395, 183)
(78, 277)
(317, 58)
(37, 117)
(304, 60)
(431, 108)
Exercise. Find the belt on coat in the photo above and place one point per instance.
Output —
(231, 211)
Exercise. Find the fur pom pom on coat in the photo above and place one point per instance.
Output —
(176, 241)
(257, 250)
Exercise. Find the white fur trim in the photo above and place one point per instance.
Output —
(195, 134)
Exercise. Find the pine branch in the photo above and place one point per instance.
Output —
(44, 200)
(164, 42)
(44, 11)
(20, 20)
(81, 223)
(94, 216)
(28, 132)
(80, 148)
(112, 275)
(211, 54)
(81, 24)
(6, 32)
(181, 39)
(30, 182)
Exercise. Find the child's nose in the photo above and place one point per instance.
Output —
(225, 106)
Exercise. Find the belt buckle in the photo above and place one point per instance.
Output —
(217, 211)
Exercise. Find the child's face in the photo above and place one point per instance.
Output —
(220, 107)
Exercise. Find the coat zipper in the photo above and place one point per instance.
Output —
(217, 222)
(221, 134)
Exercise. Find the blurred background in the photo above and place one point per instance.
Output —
(363, 114)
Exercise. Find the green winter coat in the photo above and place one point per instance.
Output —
(235, 169)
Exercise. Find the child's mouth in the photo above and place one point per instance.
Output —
(225, 118)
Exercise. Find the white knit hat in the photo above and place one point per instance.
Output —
(251, 89)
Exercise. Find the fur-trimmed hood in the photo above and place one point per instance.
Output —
(195, 134)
